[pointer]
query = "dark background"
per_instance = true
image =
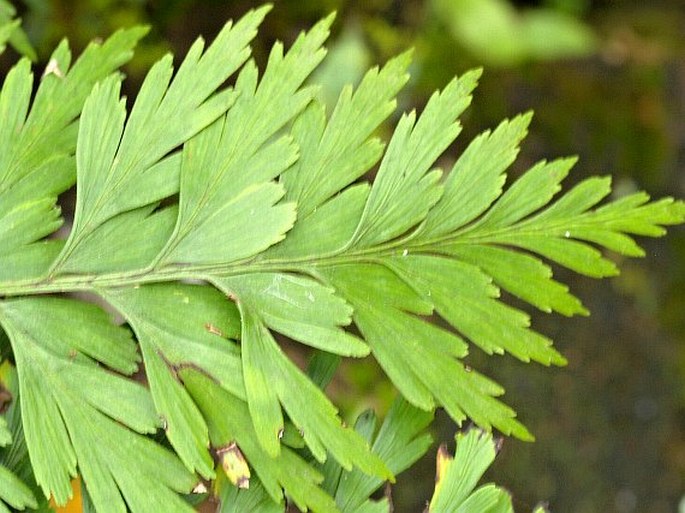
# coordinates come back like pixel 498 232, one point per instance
pixel 606 80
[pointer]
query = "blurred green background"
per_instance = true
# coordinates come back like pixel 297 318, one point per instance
pixel 606 79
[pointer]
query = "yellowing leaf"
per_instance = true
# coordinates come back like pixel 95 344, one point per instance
pixel 234 465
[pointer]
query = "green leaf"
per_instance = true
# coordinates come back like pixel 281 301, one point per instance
pixel 69 407
pixel 489 499
pixel 322 367
pixel 404 191
pixel 126 242
pixel 14 492
pixel 213 219
pixel 530 192
pixel 14 457
pixel 465 297
pixel 229 421
pixel 300 308
pixel 88 506
pixel 457 477
pixel 496 33
pixel 269 379
pixel 72 328
pixel 347 62
pixel 338 151
pixel 570 36
pixel 214 183
pixel 113 158
pixel 6 30
pixel 39 137
pixel 524 276
pixel 259 358
pixel 258 224
pixel 28 263
pixel 5 434
pixel 254 499
pixel 401 440
pixel 477 177
pixel 327 230
pixel 420 368
pixel 183 325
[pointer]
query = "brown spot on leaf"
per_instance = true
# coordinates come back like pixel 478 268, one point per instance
pixel 213 329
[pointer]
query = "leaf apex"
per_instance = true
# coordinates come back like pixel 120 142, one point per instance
pixel 473 74
pixel 329 19
pixel 139 31
pixel 406 56
pixel 526 117
pixel 263 10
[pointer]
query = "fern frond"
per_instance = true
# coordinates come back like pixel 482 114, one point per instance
pixel 121 168
pixel 70 404
pixel 37 141
pixel 274 232
pixel 180 325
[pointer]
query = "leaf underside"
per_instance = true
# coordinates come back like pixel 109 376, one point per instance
pixel 217 219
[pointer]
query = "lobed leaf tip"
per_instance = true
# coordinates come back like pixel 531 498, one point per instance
pixel 558 360
pixel 405 57
pixel 525 117
pixel 328 20
pixel 473 74
pixel 62 46
pixel 571 160
pixel 262 10
pixel 523 434
pixel 137 31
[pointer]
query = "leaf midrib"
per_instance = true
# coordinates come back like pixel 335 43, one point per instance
pixel 177 272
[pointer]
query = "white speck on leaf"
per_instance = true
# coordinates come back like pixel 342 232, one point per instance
pixel 405 252
pixel 275 289
pixel 310 296
pixel 567 234
pixel 53 69
pixel 200 488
